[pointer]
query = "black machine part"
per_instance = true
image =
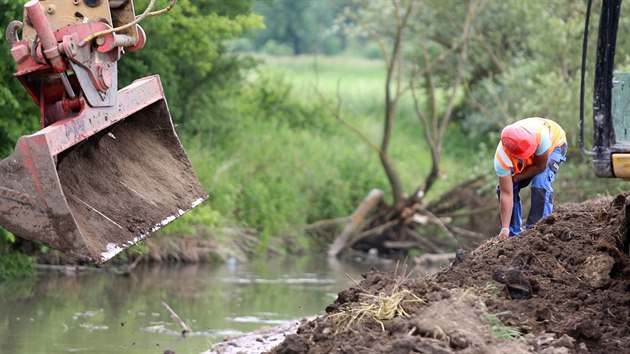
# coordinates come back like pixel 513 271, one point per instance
pixel 604 143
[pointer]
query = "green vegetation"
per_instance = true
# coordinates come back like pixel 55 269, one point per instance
pixel 260 129
pixel 15 265
pixel 501 331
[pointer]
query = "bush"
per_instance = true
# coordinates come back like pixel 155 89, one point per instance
pixel 15 265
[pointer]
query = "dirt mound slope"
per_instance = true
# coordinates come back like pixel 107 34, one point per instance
pixel 561 287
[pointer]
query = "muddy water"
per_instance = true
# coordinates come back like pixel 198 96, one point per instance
pixel 99 312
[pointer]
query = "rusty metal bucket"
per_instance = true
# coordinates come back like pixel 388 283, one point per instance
pixel 94 185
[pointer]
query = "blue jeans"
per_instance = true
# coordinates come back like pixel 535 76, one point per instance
pixel 541 193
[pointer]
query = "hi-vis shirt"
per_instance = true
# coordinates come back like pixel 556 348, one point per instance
pixel 549 135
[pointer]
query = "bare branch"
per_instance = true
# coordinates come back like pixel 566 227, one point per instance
pixel 378 230
pixel 391 103
pixel 495 59
pixel 336 112
pixel 428 77
pixel 372 33
pixel 326 223
pixel 472 13
pixel 435 127
pixel 426 243
pixel 346 239
pixel 442 225
pixel 420 113
pixel 466 233
pixel 185 329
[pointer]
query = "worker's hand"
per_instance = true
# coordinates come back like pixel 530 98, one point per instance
pixel 504 234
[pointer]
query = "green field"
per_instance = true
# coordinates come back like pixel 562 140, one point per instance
pixel 359 83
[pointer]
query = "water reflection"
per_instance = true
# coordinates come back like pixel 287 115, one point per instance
pixel 100 312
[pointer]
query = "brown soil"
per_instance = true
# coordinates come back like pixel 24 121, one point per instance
pixel 564 284
pixel 126 182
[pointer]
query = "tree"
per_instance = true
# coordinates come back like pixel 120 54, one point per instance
pixel 428 68
pixel 299 25
pixel 20 115
pixel 187 48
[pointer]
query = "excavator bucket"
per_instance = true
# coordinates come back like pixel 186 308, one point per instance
pixel 97 183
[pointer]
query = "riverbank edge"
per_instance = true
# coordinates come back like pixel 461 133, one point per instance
pixel 258 341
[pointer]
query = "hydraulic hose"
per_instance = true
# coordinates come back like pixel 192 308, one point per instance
pixel 147 13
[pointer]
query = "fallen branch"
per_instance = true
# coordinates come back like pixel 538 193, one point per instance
pixel 464 232
pixel 425 243
pixel 342 241
pixel 127 271
pixel 378 230
pixel 402 245
pixel 429 259
pixel 476 211
pixel 440 222
pixel 66 269
pixel 326 223
pixel 175 317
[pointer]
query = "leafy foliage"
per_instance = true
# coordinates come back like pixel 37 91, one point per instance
pixel 283 165
pixel 187 48
pixel 15 265
pixel 19 114
pixel 297 27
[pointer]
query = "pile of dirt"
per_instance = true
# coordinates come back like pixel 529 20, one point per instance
pixel 561 287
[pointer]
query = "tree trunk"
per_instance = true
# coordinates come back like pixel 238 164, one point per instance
pixel 343 240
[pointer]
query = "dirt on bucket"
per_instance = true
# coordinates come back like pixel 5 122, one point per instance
pixel 125 183
pixel 560 287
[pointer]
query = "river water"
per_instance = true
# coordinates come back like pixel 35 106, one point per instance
pixel 101 312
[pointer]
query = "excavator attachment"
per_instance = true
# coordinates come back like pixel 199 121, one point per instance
pixel 94 185
pixel 107 168
pixel 611 107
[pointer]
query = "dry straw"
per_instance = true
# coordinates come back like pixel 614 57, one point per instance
pixel 381 307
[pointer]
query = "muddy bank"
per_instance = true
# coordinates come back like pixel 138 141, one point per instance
pixel 203 245
pixel 259 341
pixel 561 287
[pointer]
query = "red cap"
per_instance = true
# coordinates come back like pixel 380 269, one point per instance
pixel 518 141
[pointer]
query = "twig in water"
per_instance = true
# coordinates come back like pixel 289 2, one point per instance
pixel 175 317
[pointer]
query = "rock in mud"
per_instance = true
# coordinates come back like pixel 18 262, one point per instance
pixel 566 235
pixel 596 271
pixel 517 285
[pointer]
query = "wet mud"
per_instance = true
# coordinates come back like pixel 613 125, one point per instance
pixel 561 287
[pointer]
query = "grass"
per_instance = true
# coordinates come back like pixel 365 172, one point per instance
pixel 15 265
pixel 357 77
pixel 361 91
pixel 501 331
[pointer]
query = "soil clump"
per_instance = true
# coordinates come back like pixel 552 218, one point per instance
pixel 561 287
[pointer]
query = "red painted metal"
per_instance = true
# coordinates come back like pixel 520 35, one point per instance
pixel 34 203
pixel 78 111
pixel 68 132
pixel 46 35
pixel 142 40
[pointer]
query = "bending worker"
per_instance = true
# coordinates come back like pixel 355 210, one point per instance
pixel 530 151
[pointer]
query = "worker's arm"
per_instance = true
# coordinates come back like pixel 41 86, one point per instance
pixel 540 163
pixel 506 203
